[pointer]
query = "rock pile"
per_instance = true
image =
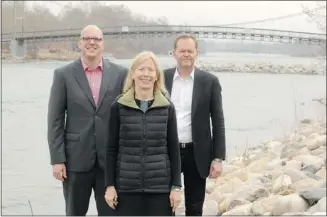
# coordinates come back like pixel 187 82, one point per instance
pixel 263 67
pixel 285 177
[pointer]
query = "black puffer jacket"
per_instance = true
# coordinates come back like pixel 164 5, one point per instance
pixel 143 151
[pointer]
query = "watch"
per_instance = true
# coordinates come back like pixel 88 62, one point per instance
pixel 218 160
pixel 176 188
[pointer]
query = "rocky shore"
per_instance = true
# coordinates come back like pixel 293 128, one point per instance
pixel 285 177
pixel 317 68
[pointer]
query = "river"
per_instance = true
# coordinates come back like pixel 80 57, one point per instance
pixel 257 107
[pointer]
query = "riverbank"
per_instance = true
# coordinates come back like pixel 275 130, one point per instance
pixel 316 68
pixel 269 66
pixel 44 56
pixel 286 177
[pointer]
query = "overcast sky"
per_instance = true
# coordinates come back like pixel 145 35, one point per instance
pixel 220 12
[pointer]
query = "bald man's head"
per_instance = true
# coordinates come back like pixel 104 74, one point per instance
pixel 91 28
pixel 91 42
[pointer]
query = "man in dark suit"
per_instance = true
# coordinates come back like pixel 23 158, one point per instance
pixel 78 114
pixel 196 95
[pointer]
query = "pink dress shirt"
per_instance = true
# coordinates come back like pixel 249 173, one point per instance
pixel 94 77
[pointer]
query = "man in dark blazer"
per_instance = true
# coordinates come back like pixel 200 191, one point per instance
pixel 196 95
pixel 78 114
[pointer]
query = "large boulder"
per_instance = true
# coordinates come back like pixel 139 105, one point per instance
pixel 264 205
pixel 210 207
pixel 258 166
pixel 295 175
pixel 251 192
pixel 292 164
pixel 244 209
pixel 321 173
pixel 274 173
pixel 310 169
pixel 299 151
pixel 247 194
pixel 241 174
pixel 229 168
pixel 281 184
pixel 303 184
pixel 210 186
pixel 289 203
pixel 313 195
pixel 230 186
pixel 316 142
pixel 317 152
pixel 319 207
pixel 308 159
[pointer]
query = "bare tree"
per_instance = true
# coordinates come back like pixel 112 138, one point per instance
pixel 39 17
pixel 318 15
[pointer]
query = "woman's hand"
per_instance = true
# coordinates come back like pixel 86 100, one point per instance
pixel 175 198
pixel 111 197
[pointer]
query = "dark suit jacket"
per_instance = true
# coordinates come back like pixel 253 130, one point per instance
pixel 206 103
pixel 77 128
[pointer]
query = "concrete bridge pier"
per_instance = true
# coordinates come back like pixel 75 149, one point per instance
pixel 18 48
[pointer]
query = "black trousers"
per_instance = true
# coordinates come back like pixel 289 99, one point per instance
pixel 77 192
pixel 194 184
pixel 143 204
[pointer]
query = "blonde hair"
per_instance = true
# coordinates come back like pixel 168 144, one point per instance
pixel 159 85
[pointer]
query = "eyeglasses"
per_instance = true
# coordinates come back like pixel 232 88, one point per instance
pixel 96 39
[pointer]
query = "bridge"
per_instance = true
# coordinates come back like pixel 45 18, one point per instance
pixel 18 39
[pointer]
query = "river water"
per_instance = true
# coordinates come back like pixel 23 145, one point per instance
pixel 257 107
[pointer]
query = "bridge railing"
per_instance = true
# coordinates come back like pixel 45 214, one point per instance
pixel 239 30
pixel 167 28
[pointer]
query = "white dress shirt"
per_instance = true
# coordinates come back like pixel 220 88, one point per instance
pixel 181 96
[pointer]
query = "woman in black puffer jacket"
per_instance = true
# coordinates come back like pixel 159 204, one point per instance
pixel 143 170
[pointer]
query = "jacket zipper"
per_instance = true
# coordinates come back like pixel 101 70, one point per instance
pixel 143 154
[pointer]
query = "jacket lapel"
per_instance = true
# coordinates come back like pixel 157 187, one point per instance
pixel 196 91
pixel 169 79
pixel 82 80
pixel 105 82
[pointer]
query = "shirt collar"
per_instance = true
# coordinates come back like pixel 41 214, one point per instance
pixel 85 66
pixel 176 75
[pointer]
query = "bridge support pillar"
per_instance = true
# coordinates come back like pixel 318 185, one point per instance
pixel 18 48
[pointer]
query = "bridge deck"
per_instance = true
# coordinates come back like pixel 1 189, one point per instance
pixel 215 31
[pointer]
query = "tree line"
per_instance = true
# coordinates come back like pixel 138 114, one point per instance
pixel 40 18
